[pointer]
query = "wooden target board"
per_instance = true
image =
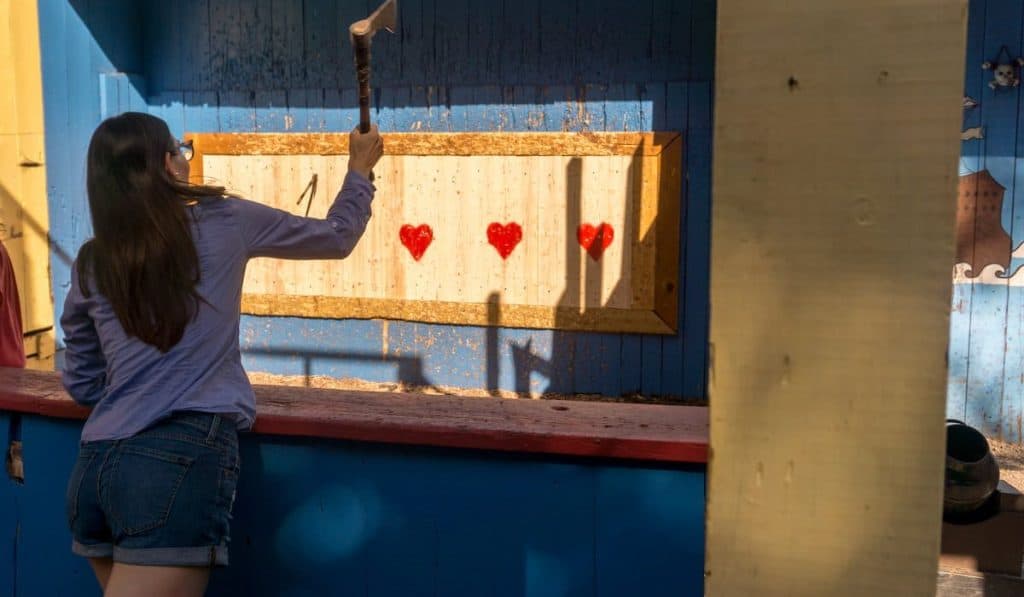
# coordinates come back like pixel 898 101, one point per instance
pixel 575 231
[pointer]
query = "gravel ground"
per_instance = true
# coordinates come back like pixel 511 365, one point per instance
pixel 1011 462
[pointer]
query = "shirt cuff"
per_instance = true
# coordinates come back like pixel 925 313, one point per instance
pixel 359 181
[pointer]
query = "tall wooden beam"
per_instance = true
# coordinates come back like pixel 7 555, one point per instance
pixel 835 169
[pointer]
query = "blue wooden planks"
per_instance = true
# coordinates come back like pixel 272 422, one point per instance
pixel 121 93
pixel 271 111
pixel 695 278
pixel 416 52
pixel 305 109
pixel 10 492
pixel 702 40
pixel 341 109
pixel 89 64
pixel 49 450
pixel 309 347
pixel 236 111
pixel 671 39
pixel 201 112
pixel 170 107
pixel 53 57
pixel 321 27
pixel 71 93
pixel 959 347
pixel 257 20
pixel 970 161
pixel 999 110
pixel 985 368
pixel 670 355
pixel 480 65
pixel 349 515
pixel 1012 404
pixel 405 115
pixel 116 47
pixel 558 53
pixel 519 59
pixel 1011 415
pixel 196 46
pixel 631 364
pixel 286 66
pixel 229 65
pixel 654 499
pixel 625 49
pixel 163 30
pixel 319 517
pixel 222 28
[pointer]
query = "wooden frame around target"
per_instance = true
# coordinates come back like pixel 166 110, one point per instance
pixel 572 231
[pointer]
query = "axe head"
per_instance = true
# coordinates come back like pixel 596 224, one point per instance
pixel 385 17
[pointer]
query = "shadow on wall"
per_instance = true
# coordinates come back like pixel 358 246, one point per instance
pixel 8 205
pixel 240 66
pixel 584 275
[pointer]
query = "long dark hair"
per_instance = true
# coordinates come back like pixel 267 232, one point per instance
pixel 142 257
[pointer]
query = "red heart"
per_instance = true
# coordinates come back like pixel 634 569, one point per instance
pixel 504 238
pixel 416 239
pixel 595 239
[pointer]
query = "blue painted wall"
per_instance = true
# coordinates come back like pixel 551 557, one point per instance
pixel 81 82
pixel 986 350
pixel 455 65
pixel 338 518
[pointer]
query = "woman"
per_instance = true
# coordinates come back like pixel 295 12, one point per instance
pixel 151 330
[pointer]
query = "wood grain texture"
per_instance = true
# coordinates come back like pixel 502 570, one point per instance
pixel 829 292
pixel 551 185
pixel 602 430
pixel 433 144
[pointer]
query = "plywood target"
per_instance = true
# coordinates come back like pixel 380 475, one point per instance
pixel 541 230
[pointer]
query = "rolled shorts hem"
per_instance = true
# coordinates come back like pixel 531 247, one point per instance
pixel 204 556
pixel 98 550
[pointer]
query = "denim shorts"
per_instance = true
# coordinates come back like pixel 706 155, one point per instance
pixel 162 497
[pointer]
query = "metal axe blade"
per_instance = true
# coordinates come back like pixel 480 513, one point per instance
pixel 385 17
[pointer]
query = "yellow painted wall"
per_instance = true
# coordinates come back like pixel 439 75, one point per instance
pixel 23 202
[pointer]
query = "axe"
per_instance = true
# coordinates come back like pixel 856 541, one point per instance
pixel 361 34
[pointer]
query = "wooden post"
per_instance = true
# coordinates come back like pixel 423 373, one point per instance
pixel 23 200
pixel 835 175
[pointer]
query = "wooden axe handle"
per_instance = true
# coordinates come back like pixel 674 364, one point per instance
pixel 361 45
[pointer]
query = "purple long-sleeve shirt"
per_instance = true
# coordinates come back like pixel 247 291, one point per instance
pixel 130 384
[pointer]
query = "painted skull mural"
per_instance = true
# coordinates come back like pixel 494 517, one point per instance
pixel 1005 70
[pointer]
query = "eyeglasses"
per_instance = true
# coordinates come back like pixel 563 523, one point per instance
pixel 185 149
